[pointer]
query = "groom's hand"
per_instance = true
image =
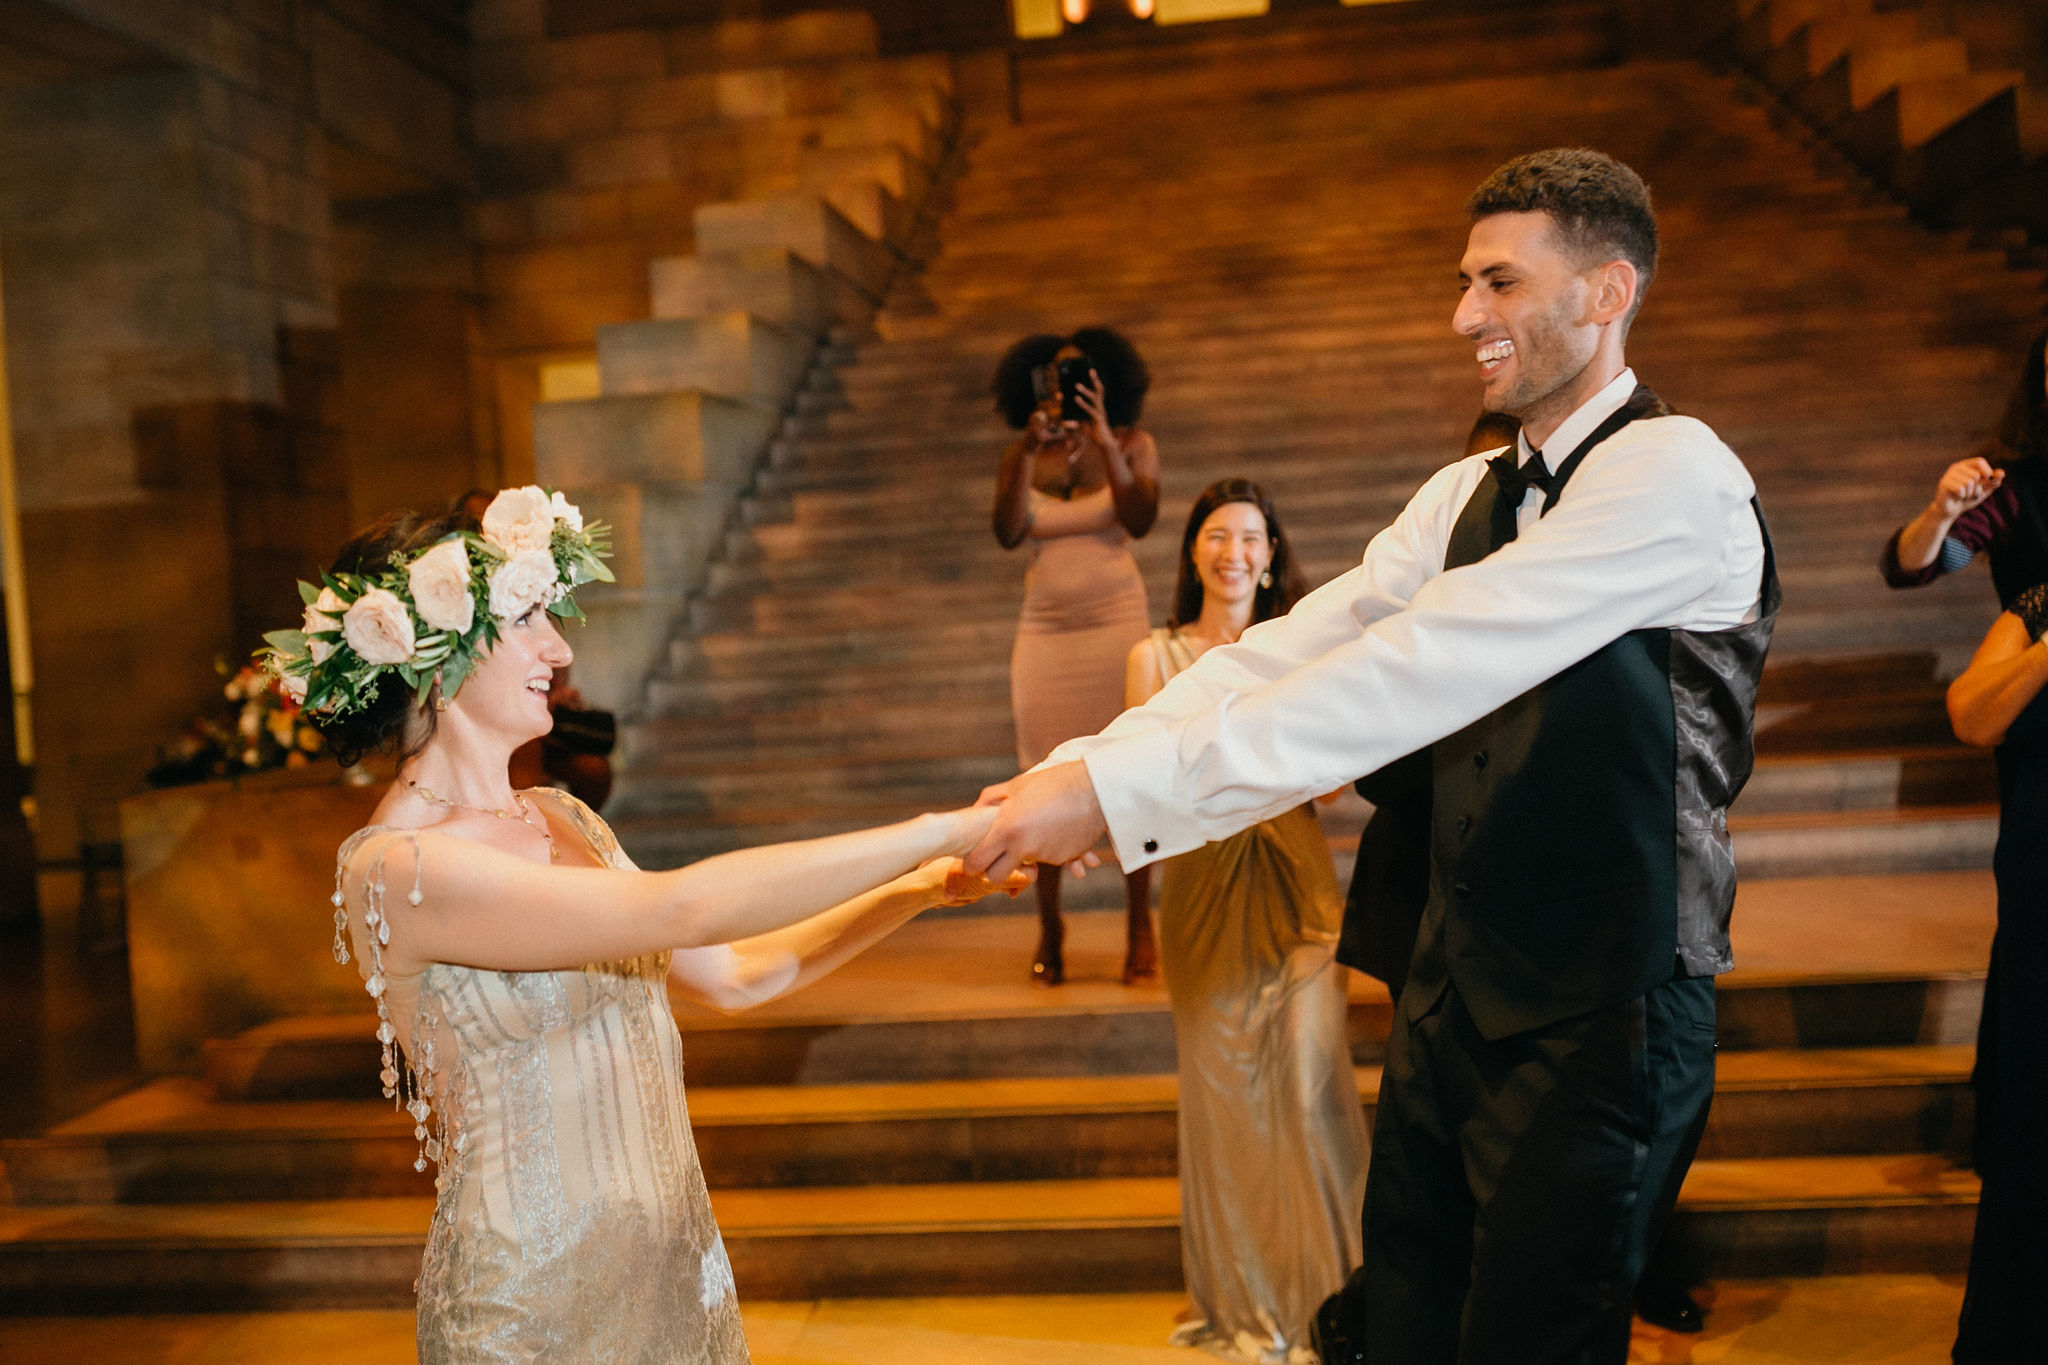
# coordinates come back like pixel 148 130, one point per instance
pixel 1047 816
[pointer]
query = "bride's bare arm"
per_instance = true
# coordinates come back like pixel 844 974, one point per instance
pixel 752 971
pixel 480 907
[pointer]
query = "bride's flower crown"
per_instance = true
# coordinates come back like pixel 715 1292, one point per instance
pixel 438 611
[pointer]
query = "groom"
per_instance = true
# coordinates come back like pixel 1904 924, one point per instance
pixel 1575 629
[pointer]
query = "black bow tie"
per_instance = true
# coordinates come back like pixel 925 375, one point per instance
pixel 1516 480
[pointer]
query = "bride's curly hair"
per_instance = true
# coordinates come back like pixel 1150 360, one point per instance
pixel 393 720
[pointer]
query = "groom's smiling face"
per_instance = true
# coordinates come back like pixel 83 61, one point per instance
pixel 1524 304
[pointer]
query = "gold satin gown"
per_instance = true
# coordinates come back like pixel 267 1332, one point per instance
pixel 1273 1144
pixel 572 1222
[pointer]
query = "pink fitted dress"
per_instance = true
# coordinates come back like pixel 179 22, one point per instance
pixel 1084 607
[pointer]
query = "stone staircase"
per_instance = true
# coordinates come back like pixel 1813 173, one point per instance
pixel 1895 84
pixel 1281 261
pixel 926 1123
pixel 674 219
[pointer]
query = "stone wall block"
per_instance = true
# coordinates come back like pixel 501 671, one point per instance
pixel 728 354
pixel 494 21
pixel 235 50
pixel 805 225
pixel 565 319
pixel 621 641
pixel 625 159
pixel 233 181
pixel 649 438
pixel 663 534
pixel 767 282
pixel 560 115
pixel 885 163
pixel 525 169
pixel 501 222
pixel 759 93
pixel 633 54
pixel 273 17
pixel 814 36
pixel 672 102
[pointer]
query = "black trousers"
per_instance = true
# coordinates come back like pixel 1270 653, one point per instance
pixel 1517 1184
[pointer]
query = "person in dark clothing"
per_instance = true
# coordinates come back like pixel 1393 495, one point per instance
pixel 1998 701
pixel 1995 503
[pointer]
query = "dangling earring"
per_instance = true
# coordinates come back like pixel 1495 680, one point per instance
pixel 441 702
pixel 1266 579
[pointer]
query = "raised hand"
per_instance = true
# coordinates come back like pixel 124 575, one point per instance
pixel 1964 485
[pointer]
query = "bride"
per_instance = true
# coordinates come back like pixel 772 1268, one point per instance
pixel 522 963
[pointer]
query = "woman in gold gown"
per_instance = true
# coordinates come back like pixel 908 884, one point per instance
pixel 1272 1136
pixel 523 964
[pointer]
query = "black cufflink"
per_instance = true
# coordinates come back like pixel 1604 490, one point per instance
pixel 1151 845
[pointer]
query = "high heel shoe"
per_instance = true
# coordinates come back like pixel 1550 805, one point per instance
pixel 1048 965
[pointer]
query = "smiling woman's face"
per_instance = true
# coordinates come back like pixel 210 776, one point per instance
pixel 507 693
pixel 1230 552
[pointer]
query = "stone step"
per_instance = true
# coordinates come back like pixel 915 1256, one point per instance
pixel 731 354
pixel 950 999
pixel 1788 1215
pixel 172 1142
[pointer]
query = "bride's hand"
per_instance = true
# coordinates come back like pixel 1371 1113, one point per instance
pixel 953 884
pixel 963 828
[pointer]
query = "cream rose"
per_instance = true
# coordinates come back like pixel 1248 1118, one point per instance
pixel 379 628
pixel 439 580
pixel 565 510
pixel 520 519
pixel 324 614
pixel 293 685
pixel 521 582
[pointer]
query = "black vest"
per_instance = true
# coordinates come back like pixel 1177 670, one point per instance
pixel 1579 834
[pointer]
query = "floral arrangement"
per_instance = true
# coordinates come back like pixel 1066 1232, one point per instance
pixel 435 614
pixel 267 730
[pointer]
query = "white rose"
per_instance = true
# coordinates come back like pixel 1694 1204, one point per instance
pixel 565 510
pixel 520 583
pixel 324 614
pixel 379 628
pixel 520 519
pixel 440 587
pixel 293 685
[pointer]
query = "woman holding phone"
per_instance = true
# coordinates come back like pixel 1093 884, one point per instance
pixel 1076 487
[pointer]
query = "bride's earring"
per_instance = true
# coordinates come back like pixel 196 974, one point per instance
pixel 1266 579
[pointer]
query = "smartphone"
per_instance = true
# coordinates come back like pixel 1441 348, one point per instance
pixel 1073 373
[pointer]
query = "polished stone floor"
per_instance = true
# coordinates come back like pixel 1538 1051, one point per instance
pixel 1849 1320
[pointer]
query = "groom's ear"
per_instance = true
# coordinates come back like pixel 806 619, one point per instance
pixel 1615 285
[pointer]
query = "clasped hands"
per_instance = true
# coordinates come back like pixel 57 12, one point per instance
pixel 1048 815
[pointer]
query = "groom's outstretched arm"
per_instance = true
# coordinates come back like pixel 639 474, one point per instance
pixel 1653 530
pixel 1052 813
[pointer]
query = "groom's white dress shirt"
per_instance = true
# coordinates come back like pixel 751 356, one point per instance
pixel 1654 530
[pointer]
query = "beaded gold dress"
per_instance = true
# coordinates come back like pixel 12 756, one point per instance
pixel 571 1220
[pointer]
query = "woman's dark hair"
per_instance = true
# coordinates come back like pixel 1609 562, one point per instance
pixel 392 719
pixel 1124 376
pixel 2024 430
pixel 1276 599
pixel 1492 431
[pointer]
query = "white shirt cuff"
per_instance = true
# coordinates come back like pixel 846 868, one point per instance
pixel 1133 778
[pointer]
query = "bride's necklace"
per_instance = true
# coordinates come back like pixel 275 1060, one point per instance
pixel 524 817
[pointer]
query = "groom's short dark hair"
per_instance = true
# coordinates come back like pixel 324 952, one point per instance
pixel 1601 207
